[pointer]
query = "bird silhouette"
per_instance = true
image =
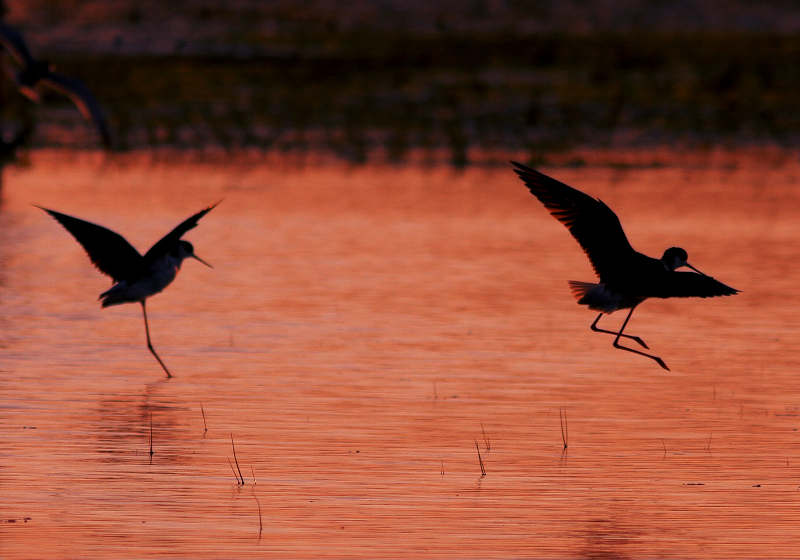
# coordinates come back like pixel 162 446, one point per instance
pixel 627 277
pixel 35 73
pixel 135 277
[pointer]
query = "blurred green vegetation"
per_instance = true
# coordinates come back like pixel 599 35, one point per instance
pixel 370 95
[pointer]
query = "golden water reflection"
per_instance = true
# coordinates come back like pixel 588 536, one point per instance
pixel 362 330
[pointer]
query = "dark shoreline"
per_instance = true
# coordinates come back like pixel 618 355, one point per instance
pixel 356 94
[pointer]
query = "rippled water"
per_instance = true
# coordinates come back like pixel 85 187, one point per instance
pixel 362 331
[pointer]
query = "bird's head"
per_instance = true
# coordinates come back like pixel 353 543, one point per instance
pixel 675 258
pixel 185 250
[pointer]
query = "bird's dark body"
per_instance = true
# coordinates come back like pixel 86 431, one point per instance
pixel 136 276
pixel 626 277
pixel 645 277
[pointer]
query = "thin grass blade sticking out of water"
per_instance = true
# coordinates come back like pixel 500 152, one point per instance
pixel 480 459
pixel 562 417
pixel 151 437
pixel 240 478
pixel 485 438
pixel 260 522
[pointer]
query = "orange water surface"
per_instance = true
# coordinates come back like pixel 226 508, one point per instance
pixel 363 330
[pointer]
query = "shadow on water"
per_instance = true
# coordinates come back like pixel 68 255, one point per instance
pixel 605 539
pixel 126 426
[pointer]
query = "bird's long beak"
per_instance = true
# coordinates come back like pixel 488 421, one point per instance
pixel 697 271
pixel 201 260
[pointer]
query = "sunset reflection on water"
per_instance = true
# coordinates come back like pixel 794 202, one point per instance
pixel 362 329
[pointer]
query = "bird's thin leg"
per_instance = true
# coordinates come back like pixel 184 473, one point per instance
pixel 595 328
pixel 658 360
pixel 149 345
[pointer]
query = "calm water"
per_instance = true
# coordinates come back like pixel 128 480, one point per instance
pixel 362 329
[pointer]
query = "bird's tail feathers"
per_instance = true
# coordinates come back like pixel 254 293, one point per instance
pixel 598 297
pixel 580 289
pixel 117 294
pixel 110 299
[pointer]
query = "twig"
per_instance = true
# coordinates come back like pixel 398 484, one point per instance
pixel 205 426
pixel 708 446
pixel 787 464
pixel 236 460
pixel 480 460
pixel 254 474
pixel 151 435
pixel 564 429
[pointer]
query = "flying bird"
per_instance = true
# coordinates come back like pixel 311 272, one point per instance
pixel 627 277
pixel 135 277
pixel 35 73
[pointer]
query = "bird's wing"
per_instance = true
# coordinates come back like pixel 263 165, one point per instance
pixel 688 284
pixel 166 243
pixel 83 99
pixel 593 224
pixel 109 251
pixel 12 40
